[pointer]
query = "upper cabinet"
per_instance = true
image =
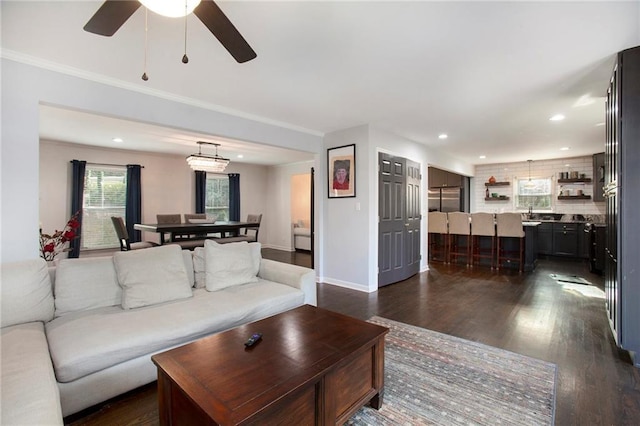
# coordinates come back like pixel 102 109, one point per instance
pixel 443 179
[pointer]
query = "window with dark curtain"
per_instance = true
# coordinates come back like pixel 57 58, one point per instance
pixel 77 194
pixel 234 196
pixel 201 191
pixel 133 211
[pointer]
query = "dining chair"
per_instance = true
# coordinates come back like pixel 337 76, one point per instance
pixel 459 236
pixel 509 225
pixel 250 234
pixel 170 219
pixel 123 236
pixel 437 236
pixel 483 226
pixel 197 217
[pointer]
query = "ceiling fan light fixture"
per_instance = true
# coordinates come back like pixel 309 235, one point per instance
pixel 171 8
pixel 205 162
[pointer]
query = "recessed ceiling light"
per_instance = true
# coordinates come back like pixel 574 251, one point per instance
pixel 564 148
pixel 557 117
pixel 240 156
pixel 567 165
pixel 442 136
pixel 482 157
pixel 117 140
pixel 600 124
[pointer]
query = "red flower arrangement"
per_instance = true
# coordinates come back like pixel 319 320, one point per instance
pixel 51 245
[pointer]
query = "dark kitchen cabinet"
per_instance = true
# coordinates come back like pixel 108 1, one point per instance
pixel 584 242
pixel 622 198
pixel 545 238
pixel 565 239
pixel 443 179
pixel 562 239
pixel 598 177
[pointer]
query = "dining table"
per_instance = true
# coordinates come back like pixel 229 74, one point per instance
pixel 197 229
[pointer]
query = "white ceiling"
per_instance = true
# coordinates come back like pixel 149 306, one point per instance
pixel 489 74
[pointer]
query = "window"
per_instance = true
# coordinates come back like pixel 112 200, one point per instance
pixel 534 194
pixel 104 196
pixel 217 196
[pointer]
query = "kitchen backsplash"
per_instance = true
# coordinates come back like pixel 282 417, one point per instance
pixel 508 172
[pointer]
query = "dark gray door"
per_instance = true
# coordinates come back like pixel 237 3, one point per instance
pixel 399 219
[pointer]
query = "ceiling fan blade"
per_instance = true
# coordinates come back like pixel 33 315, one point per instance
pixel 110 17
pixel 221 27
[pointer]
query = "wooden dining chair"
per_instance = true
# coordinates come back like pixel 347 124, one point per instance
pixel 123 236
pixel 249 234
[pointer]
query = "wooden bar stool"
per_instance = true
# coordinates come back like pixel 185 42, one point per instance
pixel 437 230
pixel 509 225
pixel 482 225
pixel 459 228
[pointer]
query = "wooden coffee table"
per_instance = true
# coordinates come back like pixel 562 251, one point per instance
pixel 312 366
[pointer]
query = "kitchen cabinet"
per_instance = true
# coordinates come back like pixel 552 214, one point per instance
pixel 565 239
pixel 598 177
pixel 545 238
pixel 584 242
pixel 443 179
pixel 562 239
pixel 622 174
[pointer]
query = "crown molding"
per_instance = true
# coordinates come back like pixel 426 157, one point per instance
pixel 109 81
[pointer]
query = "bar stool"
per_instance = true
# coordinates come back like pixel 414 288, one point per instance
pixel 459 226
pixel 509 225
pixel 437 230
pixel 482 225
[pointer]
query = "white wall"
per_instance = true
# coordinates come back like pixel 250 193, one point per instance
pixel 351 240
pixel 168 184
pixel 278 203
pixel 345 254
pixel 507 172
pixel 25 87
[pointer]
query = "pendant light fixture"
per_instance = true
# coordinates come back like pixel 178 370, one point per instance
pixel 205 162
pixel 529 183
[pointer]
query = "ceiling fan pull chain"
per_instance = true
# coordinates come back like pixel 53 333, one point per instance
pixel 185 58
pixel 146 41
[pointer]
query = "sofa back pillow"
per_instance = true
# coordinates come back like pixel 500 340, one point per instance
pixel 198 267
pixel 187 258
pixel 153 275
pixel 26 292
pixel 229 264
pixel 83 284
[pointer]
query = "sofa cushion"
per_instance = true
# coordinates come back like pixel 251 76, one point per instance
pixel 198 267
pixel 26 292
pixel 151 276
pixel 86 283
pixel 227 265
pixel 29 389
pixel 82 343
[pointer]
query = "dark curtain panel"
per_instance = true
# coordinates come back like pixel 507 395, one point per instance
pixel 234 196
pixel 133 209
pixel 77 191
pixel 201 191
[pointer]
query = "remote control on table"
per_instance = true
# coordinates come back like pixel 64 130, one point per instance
pixel 253 340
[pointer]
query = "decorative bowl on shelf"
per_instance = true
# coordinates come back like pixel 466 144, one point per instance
pixel 492 179
pixel 494 194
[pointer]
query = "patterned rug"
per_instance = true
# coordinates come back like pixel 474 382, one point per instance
pixel 436 379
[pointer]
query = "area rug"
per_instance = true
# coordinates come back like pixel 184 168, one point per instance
pixel 436 379
pixel 570 279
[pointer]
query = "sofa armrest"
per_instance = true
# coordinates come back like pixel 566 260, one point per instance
pixel 291 275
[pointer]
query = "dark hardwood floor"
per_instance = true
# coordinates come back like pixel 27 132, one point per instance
pixel 531 314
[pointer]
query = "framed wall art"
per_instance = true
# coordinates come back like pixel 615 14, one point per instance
pixel 341 171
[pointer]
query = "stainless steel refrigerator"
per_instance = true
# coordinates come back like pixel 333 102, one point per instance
pixel 445 200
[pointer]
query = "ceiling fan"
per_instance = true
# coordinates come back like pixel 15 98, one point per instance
pixel 114 13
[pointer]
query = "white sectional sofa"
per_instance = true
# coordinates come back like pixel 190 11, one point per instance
pixel 88 334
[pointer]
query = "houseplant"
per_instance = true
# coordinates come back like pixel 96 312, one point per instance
pixel 52 245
